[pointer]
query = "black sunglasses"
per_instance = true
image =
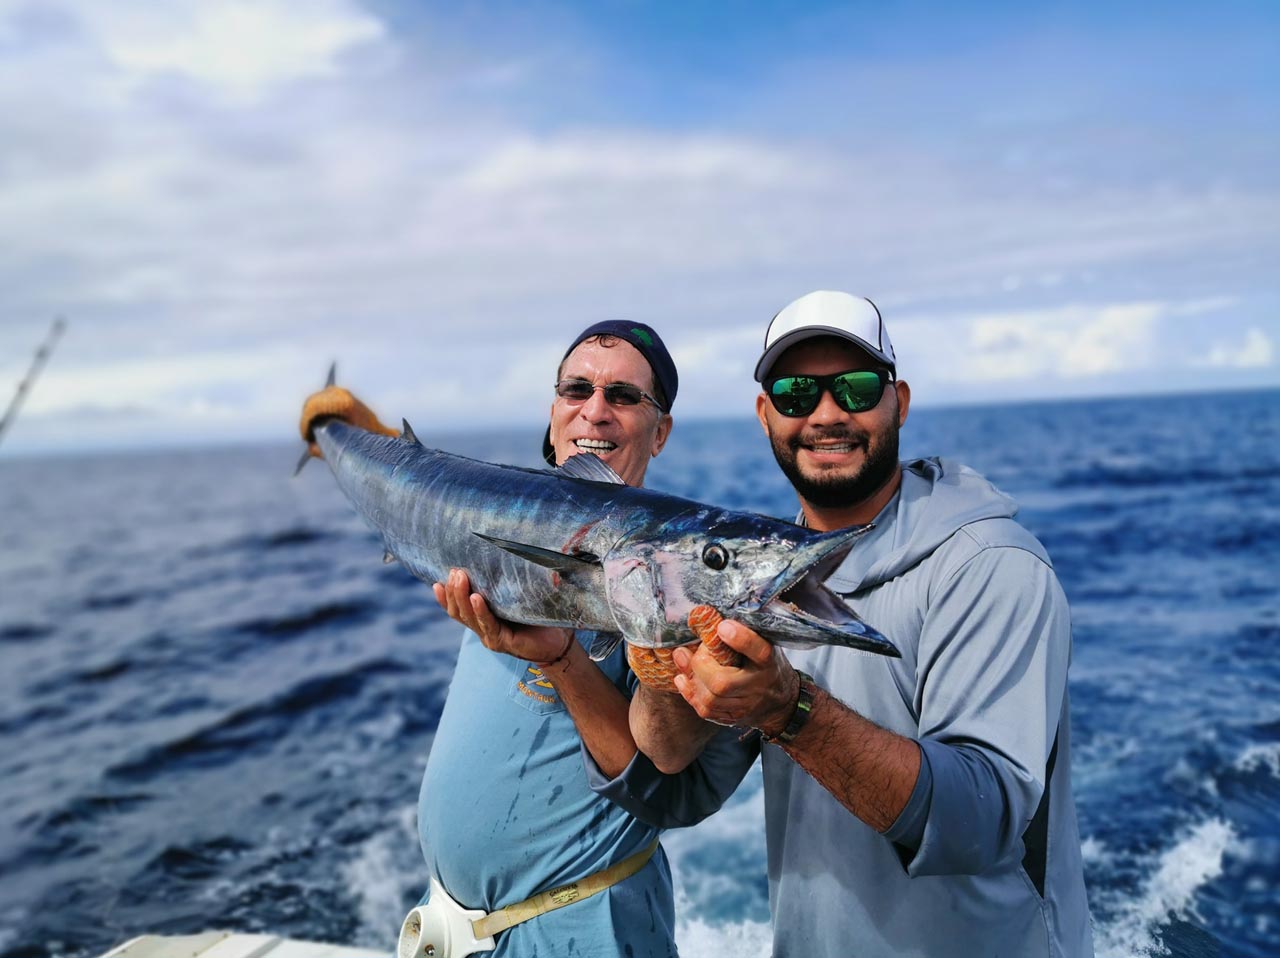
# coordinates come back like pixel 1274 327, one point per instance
pixel 854 391
pixel 615 394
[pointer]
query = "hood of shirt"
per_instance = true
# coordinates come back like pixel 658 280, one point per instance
pixel 938 497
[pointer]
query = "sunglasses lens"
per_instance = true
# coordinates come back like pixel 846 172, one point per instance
pixel 622 394
pixel 857 391
pixel 575 389
pixel 615 394
pixel 794 395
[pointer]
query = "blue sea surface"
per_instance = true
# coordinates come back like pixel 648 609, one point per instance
pixel 216 701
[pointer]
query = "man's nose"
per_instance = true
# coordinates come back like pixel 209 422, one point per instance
pixel 597 408
pixel 827 410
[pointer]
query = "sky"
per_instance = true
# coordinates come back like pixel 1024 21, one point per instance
pixel 222 197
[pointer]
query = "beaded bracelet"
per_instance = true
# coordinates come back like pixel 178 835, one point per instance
pixel 568 644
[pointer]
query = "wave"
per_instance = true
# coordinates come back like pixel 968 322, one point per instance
pixel 111 600
pixel 388 876
pixel 1257 757
pixel 25 632
pixel 287 538
pixel 246 731
pixel 322 615
pixel 745 939
pixel 198 861
pixel 1133 472
pixel 1167 898
pixel 88 808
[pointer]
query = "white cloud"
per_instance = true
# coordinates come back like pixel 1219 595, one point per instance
pixel 301 181
pixel 169 383
pixel 582 161
pixel 1209 304
pixel 1070 342
pixel 240 47
pixel 1256 351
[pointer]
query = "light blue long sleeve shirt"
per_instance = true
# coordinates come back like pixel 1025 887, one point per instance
pixel 985 858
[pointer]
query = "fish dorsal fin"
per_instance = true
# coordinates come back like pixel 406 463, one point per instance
pixel 587 465
pixel 602 645
pixel 406 432
pixel 333 374
pixel 548 558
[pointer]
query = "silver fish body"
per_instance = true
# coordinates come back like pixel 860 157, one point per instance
pixel 575 547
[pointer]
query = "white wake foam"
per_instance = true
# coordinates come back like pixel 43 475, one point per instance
pixel 748 939
pixel 1258 756
pixel 700 878
pixel 1170 892
pixel 383 875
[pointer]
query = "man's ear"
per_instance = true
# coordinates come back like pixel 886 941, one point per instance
pixel 904 400
pixel 665 423
pixel 762 406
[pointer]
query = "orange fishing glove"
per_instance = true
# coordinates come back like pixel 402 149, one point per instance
pixel 655 668
pixel 334 402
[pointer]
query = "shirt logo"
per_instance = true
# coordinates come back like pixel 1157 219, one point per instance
pixel 535 685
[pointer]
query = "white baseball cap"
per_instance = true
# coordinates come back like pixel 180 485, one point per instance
pixel 827 313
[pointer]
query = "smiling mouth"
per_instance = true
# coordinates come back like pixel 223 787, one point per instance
pixel 835 448
pixel 597 446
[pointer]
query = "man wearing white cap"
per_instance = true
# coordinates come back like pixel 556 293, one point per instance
pixel 914 806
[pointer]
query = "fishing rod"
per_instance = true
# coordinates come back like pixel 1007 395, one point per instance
pixel 41 357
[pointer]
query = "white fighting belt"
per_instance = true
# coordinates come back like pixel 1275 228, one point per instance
pixel 441 929
pixel 444 929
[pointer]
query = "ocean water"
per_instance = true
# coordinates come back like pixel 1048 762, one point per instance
pixel 217 701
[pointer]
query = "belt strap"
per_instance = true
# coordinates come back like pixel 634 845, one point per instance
pixel 554 898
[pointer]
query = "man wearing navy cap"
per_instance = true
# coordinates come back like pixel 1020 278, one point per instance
pixel 505 810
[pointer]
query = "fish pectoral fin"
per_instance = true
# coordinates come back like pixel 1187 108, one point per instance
pixel 548 558
pixel 589 466
pixel 602 645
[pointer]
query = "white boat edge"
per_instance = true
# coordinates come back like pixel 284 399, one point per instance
pixel 227 944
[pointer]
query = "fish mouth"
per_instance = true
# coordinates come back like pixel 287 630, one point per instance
pixel 798 611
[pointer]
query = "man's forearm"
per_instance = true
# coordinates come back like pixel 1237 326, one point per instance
pixel 598 709
pixel 667 730
pixel 870 770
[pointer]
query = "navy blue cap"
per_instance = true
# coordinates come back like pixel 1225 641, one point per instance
pixel 651 347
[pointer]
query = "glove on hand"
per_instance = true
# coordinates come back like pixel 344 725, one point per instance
pixel 655 668
pixel 334 402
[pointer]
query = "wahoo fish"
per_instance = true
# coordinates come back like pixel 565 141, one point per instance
pixel 576 547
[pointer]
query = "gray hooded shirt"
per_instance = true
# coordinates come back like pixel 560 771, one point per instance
pixel 985 858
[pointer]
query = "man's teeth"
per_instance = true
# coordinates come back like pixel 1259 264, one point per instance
pixel 835 447
pixel 595 445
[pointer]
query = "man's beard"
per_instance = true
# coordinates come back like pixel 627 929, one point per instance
pixel 831 491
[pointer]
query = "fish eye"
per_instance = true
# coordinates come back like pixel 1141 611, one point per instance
pixel 715 556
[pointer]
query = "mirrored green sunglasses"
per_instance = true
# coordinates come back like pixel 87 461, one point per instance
pixel 856 390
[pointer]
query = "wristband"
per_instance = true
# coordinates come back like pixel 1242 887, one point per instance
pixel 803 709
pixel 563 652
